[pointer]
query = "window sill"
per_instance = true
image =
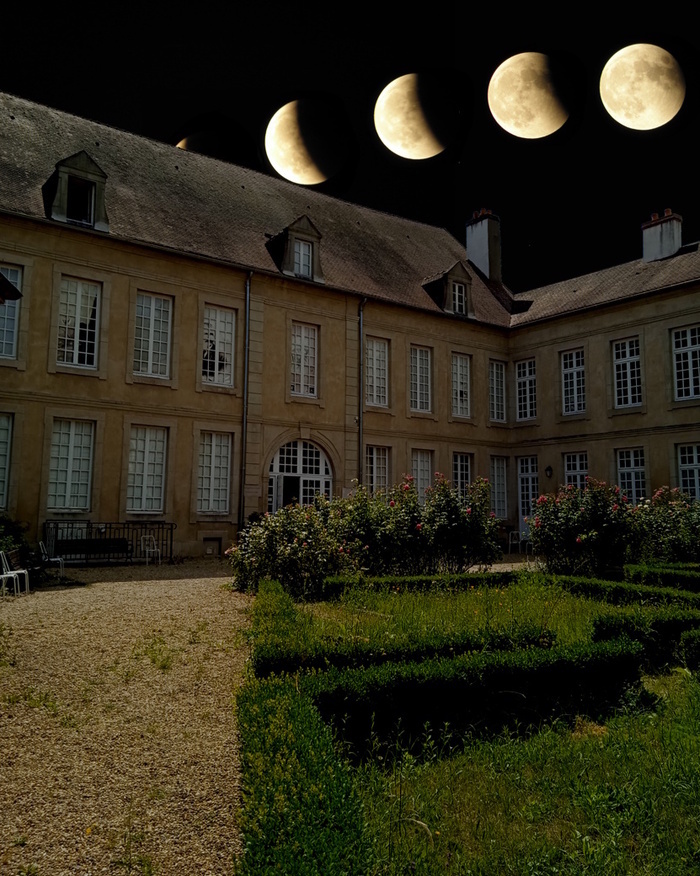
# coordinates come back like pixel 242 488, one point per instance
pixel 306 400
pixel 218 388
pixel 150 380
pixel 17 364
pixel 423 415
pixel 82 370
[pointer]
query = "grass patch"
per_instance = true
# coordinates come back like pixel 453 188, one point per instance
pixel 158 652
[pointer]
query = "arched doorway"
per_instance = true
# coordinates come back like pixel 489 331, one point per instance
pixel 298 471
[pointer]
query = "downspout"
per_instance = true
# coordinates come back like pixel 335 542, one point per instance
pixel 244 437
pixel 361 389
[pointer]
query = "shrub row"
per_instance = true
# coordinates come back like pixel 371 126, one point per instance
pixel 282 640
pixel 484 692
pixel 690 648
pixel 664 576
pixel 335 585
pixel 300 814
pixel 658 630
pixel 627 592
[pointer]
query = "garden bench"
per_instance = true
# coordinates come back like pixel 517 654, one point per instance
pixel 89 548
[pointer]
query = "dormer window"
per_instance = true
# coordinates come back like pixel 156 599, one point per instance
pixel 303 258
pixel 459 298
pixel 75 193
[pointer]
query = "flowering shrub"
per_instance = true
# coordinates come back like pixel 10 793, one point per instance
pixel 395 533
pixel 665 528
pixel 581 531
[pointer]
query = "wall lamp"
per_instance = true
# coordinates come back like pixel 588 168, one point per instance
pixel 549 471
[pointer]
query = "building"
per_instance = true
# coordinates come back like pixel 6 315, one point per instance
pixel 197 342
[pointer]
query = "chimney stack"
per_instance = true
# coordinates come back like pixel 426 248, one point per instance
pixel 661 236
pixel 484 243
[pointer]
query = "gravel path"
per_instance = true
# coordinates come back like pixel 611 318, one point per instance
pixel 117 735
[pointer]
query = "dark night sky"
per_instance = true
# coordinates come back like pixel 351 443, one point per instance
pixel 569 203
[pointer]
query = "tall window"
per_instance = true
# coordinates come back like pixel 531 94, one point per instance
pixel 686 360
pixel 420 379
pixel 422 468
pixel 5 443
pixel 460 385
pixel 576 469
pixel 628 373
pixel 70 466
pixel 78 323
pixel 152 337
pixel 689 469
pixel 526 384
pixel 304 359
pixel 573 381
pixel 528 488
pixel 497 474
pixel 459 298
pixel 218 345
pixel 214 473
pixel 631 475
pixel 303 258
pixel 376 371
pixel 461 472
pixel 377 469
pixel 9 315
pixel 145 488
pixel 497 391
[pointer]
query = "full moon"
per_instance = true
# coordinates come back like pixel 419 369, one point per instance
pixel 642 87
pixel 523 99
pixel 401 121
pixel 297 142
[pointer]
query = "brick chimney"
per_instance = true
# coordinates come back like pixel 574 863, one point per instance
pixel 484 243
pixel 661 236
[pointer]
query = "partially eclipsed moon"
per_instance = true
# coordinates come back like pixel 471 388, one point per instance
pixel 642 87
pixel 401 122
pixel 286 149
pixel 523 99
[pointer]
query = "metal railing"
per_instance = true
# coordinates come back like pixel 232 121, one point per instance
pixel 82 541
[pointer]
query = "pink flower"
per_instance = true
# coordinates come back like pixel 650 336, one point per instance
pixel 392 503
pixel 469 510
pixel 616 507
pixel 419 526
pixel 579 540
pixel 493 514
pixel 406 487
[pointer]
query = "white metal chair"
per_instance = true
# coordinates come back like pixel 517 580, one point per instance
pixel 6 575
pixel 46 559
pixel 513 540
pixel 12 566
pixel 149 548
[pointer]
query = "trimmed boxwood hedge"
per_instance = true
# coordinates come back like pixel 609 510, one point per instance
pixel 664 576
pixel 281 642
pixel 659 630
pixel 484 692
pixel 300 815
pixel 626 592
pixel 690 648
pixel 336 585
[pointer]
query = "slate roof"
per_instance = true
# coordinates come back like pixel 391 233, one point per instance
pixel 159 195
pixel 609 286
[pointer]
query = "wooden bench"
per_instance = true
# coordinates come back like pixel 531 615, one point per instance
pixel 89 548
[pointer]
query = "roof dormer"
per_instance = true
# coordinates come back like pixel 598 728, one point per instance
pixel 75 193
pixel 297 250
pixel 452 291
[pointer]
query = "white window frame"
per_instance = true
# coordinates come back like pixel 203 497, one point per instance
pixel 376 469
pixel 79 313
pixel 627 364
pixel 459 298
pixel 218 346
pixel 461 385
pixel 153 319
pixel 422 471
pixel 576 469
pixel 303 258
pixel 70 465
pixel 304 360
pixel 526 389
pixel 528 489
pixel 573 382
pixel 631 473
pixel 6 423
pixel 461 472
pixel 689 470
pixel 305 462
pixel 421 379
pixel 9 314
pixel 214 473
pixel 686 363
pixel 498 468
pixel 148 458
pixel 377 372
pixel 497 391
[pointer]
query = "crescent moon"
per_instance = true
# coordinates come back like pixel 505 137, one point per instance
pixel 401 123
pixel 523 99
pixel 642 86
pixel 286 149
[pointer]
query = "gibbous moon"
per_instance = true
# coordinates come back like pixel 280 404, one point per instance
pixel 523 99
pixel 287 150
pixel 642 87
pixel 401 121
